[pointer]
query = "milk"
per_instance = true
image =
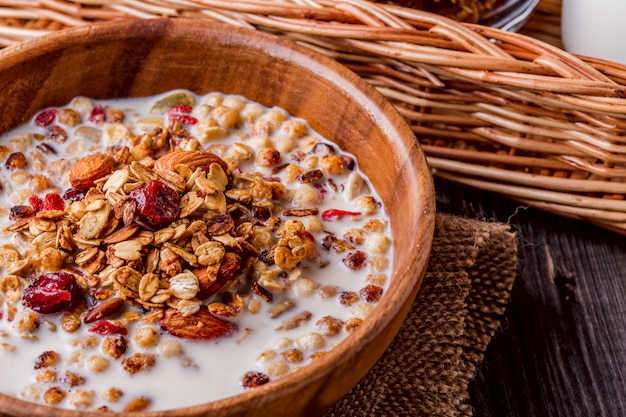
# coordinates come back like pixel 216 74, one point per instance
pixel 595 28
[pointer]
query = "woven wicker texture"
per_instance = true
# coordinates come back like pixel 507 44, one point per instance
pixel 495 110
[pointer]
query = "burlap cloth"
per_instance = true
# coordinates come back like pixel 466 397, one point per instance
pixel 428 366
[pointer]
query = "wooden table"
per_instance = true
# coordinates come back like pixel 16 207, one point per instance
pixel 561 350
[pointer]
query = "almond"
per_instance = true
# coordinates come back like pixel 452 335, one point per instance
pixel 192 159
pixel 212 279
pixel 165 166
pixel 200 326
pixel 90 168
pixel 122 234
pixel 104 309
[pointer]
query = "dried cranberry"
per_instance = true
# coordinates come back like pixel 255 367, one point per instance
pixel 45 118
pixel 157 202
pixel 36 203
pixel 53 201
pixel 74 194
pixel 331 214
pixel 180 109
pixel 184 119
pixel 97 115
pixel 181 113
pixel 51 293
pixel 105 328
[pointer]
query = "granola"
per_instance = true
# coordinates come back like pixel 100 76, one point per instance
pixel 202 240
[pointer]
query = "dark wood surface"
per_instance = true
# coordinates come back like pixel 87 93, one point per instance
pixel 561 349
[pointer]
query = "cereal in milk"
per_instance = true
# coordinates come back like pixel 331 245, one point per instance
pixel 168 251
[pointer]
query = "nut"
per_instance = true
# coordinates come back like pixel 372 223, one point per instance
pixel 104 309
pixel 200 326
pixel 89 169
pixel 165 166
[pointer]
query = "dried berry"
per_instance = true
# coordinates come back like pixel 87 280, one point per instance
pixel 184 119
pixel 181 113
pixel 157 202
pixel 53 201
pixel 45 118
pixel 97 115
pixel 254 379
pixel 51 293
pixel 180 109
pixel 74 194
pixel 105 328
pixel 331 214
pixel 36 203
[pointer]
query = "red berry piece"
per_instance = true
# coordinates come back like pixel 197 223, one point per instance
pixel 157 202
pixel 36 203
pixel 105 328
pixel 180 109
pixel 74 194
pixel 97 115
pixel 45 118
pixel 184 119
pixel 53 201
pixel 330 214
pixel 181 113
pixel 51 293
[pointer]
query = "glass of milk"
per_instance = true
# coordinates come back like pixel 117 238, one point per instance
pixel 595 28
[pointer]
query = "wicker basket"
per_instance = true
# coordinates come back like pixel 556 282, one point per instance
pixel 495 110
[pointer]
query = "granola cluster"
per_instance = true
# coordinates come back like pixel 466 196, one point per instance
pixel 138 235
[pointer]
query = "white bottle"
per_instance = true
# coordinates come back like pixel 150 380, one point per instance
pixel 595 28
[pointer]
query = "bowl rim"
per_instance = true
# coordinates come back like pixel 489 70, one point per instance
pixel 351 83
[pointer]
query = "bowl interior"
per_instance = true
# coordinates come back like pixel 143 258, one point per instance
pixel 136 58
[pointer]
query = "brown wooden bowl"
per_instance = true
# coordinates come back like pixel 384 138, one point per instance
pixel 133 58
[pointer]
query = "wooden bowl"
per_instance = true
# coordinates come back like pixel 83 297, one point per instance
pixel 131 58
